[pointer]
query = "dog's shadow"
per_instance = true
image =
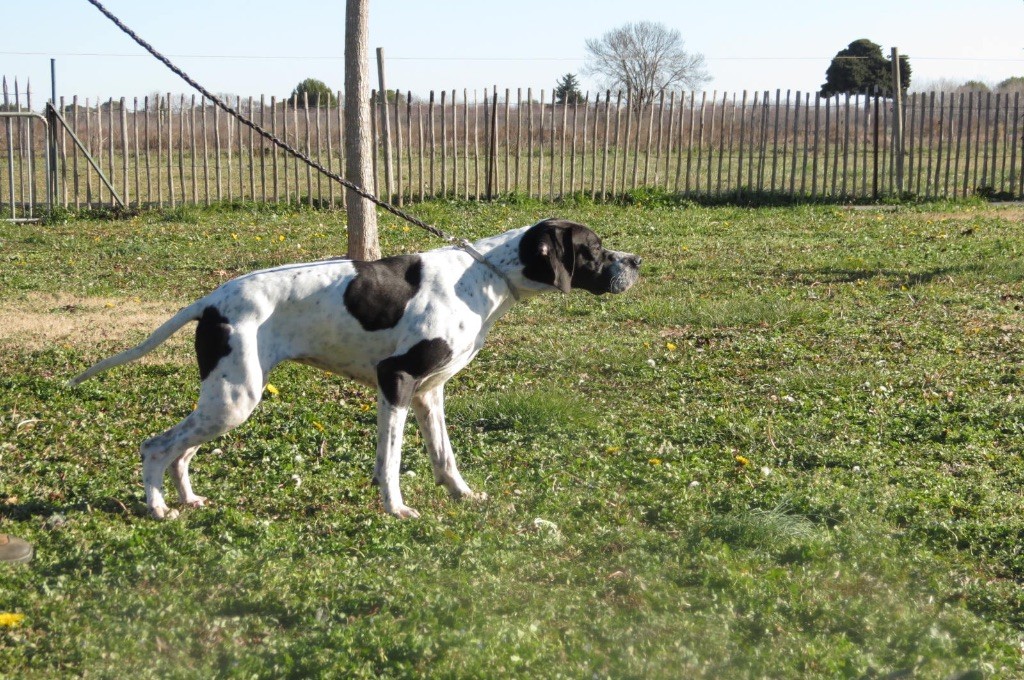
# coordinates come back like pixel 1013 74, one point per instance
pixel 55 514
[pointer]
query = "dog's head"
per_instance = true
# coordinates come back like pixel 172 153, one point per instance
pixel 568 255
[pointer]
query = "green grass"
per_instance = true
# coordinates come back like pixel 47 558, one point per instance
pixel 793 450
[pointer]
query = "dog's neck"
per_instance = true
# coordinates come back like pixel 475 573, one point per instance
pixel 482 259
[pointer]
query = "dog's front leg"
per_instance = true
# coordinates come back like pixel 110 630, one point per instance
pixel 390 427
pixel 429 409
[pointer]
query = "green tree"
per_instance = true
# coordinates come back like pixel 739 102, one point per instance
pixel 974 86
pixel 318 92
pixel 861 67
pixel 1014 84
pixel 568 90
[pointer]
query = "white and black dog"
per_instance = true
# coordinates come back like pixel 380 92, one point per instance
pixel 403 324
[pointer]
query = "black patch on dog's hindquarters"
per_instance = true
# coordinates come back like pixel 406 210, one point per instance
pixel 378 294
pixel 212 335
pixel 395 373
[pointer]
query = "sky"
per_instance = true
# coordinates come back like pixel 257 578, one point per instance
pixel 254 47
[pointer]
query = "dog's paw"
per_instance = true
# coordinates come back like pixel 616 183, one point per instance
pixel 194 502
pixel 403 512
pixel 474 497
pixel 163 512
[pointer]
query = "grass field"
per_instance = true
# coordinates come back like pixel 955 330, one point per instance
pixel 793 450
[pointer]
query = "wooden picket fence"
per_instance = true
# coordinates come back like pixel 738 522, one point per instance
pixel 167 151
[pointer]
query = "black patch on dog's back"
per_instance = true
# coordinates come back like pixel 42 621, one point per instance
pixel 380 291
pixel 212 335
pixel 394 373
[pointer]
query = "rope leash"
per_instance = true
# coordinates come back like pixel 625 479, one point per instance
pixel 355 188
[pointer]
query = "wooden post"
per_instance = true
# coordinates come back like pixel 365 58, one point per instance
pixel 455 143
pixel 519 133
pixel 408 127
pixel 967 152
pixel 875 186
pixel 616 146
pixel 363 243
pixel 679 139
pixel 138 160
pixel 159 149
pixel 398 147
pixel 476 142
pixel 561 145
pixel 145 134
pixel 262 151
pixel 273 149
pixel 465 143
pixel 492 177
pixel 192 149
pixel 170 152
pixel 938 160
pixel 124 152
pixel 669 136
pixel 551 148
pixel 572 141
pixel 1014 142
pixel 959 141
pixel 529 142
pixel 385 124
pixel 743 132
pixel 897 127
pixel 422 151
pixel 206 156
pixel 507 148
pixel 375 188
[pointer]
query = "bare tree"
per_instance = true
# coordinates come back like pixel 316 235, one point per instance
pixel 644 58
pixel 362 214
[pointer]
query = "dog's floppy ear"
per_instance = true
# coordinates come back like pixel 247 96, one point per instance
pixel 548 256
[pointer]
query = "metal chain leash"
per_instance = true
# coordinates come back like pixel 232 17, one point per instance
pixel 355 188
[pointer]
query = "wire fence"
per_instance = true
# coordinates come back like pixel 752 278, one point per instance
pixel 165 151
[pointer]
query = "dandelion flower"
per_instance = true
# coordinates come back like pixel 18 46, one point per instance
pixel 671 346
pixel 273 390
pixel 742 460
pixel 9 620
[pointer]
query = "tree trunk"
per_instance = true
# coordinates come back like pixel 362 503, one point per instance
pixel 362 214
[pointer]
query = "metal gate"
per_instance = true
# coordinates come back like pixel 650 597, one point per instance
pixel 26 183
pixel 26 138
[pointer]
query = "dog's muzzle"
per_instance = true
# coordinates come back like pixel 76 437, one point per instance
pixel 624 271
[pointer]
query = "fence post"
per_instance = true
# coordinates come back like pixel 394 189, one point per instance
pixel 52 134
pixel 897 124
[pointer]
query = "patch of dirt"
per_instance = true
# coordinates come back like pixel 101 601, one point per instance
pixel 94 325
pixel 1013 213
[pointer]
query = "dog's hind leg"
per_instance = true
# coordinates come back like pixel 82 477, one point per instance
pixel 226 399
pixel 429 410
pixel 179 475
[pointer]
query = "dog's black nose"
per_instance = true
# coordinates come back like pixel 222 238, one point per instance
pixel 634 260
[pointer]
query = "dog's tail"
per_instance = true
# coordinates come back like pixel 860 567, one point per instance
pixel 191 313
